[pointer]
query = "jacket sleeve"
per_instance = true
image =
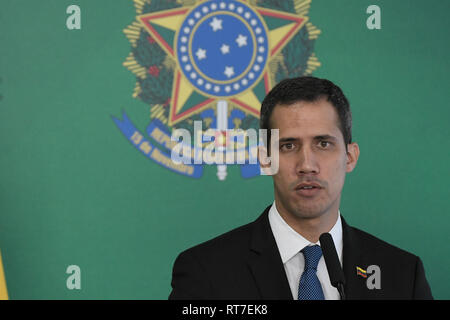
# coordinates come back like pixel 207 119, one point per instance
pixel 189 278
pixel 422 290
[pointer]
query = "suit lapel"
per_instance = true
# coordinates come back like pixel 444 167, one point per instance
pixel 265 262
pixel 353 256
pixel 266 266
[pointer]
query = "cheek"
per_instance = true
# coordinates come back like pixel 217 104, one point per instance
pixel 284 177
pixel 336 174
pixel 286 170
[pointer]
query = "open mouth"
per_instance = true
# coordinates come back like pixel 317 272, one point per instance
pixel 308 190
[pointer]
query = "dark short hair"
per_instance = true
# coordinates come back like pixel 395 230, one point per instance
pixel 310 89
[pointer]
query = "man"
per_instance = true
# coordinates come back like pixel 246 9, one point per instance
pixel 278 256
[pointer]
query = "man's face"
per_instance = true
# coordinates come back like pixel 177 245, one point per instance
pixel 311 152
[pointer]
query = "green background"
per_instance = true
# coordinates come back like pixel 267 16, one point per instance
pixel 73 190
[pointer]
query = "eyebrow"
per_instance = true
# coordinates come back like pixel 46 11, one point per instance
pixel 317 138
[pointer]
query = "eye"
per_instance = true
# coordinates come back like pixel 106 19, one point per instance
pixel 324 144
pixel 287 146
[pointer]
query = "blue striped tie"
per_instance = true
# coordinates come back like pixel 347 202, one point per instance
pixel 309 287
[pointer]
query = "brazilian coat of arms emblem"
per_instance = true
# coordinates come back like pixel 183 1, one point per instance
pixel 212 62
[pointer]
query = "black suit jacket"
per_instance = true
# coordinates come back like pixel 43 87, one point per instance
pixel 245 264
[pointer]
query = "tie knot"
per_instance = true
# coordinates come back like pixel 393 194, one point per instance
pixel 312 256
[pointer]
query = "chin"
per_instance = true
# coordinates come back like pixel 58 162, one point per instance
pixel 308 211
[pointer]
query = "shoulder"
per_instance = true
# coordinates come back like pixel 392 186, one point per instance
pixel 401 274
pixel 236 241
pixel 233 241
pixel 217 267
pixel 233 245
pixel 376 247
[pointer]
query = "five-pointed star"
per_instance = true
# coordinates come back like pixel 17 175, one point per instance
pixel 201 54
pixel 229 71
pixel 216 24
pixel 225 49
pixel 241 40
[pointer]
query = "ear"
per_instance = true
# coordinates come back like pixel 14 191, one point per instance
pixel 352 156
pixel 264 160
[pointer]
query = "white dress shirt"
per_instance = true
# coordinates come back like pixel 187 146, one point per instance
pixel 290 243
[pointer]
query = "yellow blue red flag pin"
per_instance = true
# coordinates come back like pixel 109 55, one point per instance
pixel 361 272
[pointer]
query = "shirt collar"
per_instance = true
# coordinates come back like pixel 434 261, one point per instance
pixel 290 242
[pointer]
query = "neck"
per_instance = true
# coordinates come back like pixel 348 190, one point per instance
pixel 310 228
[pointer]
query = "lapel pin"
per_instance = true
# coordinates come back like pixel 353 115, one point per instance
pixel 361 272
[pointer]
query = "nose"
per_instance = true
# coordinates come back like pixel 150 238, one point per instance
pixel 306 163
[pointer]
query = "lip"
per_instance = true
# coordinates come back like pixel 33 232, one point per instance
pixel 308 192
